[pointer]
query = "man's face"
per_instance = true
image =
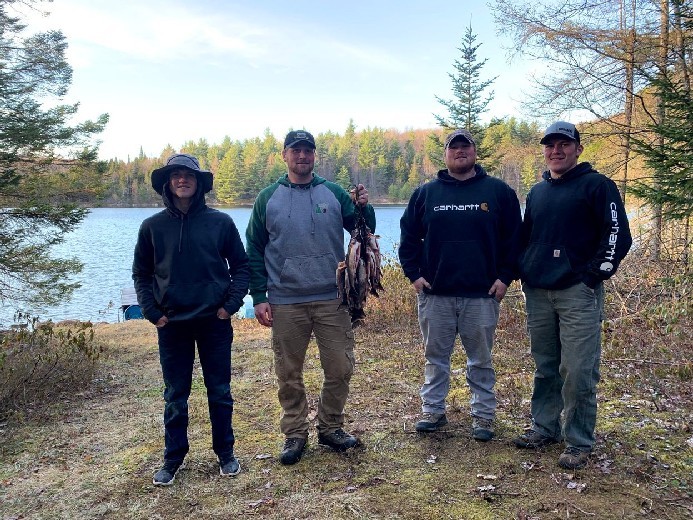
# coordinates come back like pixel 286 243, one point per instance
pixel 300 160
pixel 561 155
pixel 460 156
pixel 183 183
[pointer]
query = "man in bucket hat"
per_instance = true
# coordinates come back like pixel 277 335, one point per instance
pixel 191 274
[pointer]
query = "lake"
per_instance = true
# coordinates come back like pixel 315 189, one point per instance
pixel 104 243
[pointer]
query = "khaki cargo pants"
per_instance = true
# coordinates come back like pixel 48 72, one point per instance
pixel 291 332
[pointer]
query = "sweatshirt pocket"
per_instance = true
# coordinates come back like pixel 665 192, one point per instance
pixel 309 274
pixel 461 267
pixel 545 265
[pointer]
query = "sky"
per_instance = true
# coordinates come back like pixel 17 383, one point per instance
pixel 171 71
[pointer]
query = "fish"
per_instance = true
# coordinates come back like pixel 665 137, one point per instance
pixel 360 273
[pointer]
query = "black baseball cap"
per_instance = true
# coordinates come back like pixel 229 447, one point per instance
pixel 299 137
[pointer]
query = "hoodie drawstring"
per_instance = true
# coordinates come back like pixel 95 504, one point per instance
pixel 312 210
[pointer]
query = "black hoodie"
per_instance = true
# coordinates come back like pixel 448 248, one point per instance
pixel 188 265
pixel 575 230
pixel 461 236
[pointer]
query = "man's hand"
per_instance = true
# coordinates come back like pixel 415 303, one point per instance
pixel 263 314
pixel 498 290
pixel 223 314
pixel 162 322
pixel 359 194
pixel 419 284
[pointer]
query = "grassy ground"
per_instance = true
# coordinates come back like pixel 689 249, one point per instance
pixel 91 453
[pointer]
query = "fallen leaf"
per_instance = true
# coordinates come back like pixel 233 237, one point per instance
pixel 262 456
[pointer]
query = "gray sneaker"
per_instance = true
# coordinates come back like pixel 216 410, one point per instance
pixel 482 429
pixel 430 422
pixel 167 474
pixel 229 467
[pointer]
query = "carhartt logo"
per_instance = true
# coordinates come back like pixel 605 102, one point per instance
pixel 301 135
pixel 607 267
pixel 556 253
pixel 321 208
pixel 462 207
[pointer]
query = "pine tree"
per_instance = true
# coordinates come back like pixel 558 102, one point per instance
pixel 464 110
pixel 36 211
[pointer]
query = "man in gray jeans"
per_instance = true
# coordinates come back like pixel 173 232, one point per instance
pixel 575 234
pixel 459 246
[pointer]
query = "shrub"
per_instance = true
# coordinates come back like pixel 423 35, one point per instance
pixel 395 308
pixel 39 360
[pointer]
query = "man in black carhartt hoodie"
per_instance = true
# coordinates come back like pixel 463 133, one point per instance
pixel 191 274
pixel 459 247
pixel 575 234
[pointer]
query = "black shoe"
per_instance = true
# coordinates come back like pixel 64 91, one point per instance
pixel 167 474
pixel 293 450
pixel 430 422
pixel 338 440
pixel 573 458
pixel 229 467
pixel 533 439
pixel 482 429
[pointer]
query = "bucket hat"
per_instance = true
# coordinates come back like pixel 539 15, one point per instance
pixel 183 161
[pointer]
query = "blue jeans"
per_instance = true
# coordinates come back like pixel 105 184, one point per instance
pixel 177 354
pixel 565 336
pixel 441 319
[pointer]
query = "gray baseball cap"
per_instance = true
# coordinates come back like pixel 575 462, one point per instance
pixel 459 134
pixel 561 129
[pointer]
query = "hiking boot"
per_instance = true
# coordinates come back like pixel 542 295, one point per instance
pixel 482 429
pixel 430 422
pixel 573 458
pixel 532 439
pixel 229 467
pixel 167 474
pixel 338 440
pixel 293 450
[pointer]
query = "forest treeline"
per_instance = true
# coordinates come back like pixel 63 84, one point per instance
pixel 388 162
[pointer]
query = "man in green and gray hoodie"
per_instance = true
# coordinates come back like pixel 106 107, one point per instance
pixel 295 240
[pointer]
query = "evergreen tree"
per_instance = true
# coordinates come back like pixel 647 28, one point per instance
pixel 671 164
pixel 469 102
pixel 37 212
pixel 343 178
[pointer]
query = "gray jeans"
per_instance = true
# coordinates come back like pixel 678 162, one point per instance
pixel 442 318
pixel 565 336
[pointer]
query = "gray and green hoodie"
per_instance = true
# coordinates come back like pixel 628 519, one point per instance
pixel 295 239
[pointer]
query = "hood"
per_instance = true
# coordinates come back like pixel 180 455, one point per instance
pixel 578 171
pixel 197 204
pixel 444 176
pixel 284 180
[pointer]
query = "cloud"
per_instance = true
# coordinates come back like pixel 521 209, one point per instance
pixel 158 31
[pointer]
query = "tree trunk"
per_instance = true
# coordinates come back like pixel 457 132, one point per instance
pixel 662 63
